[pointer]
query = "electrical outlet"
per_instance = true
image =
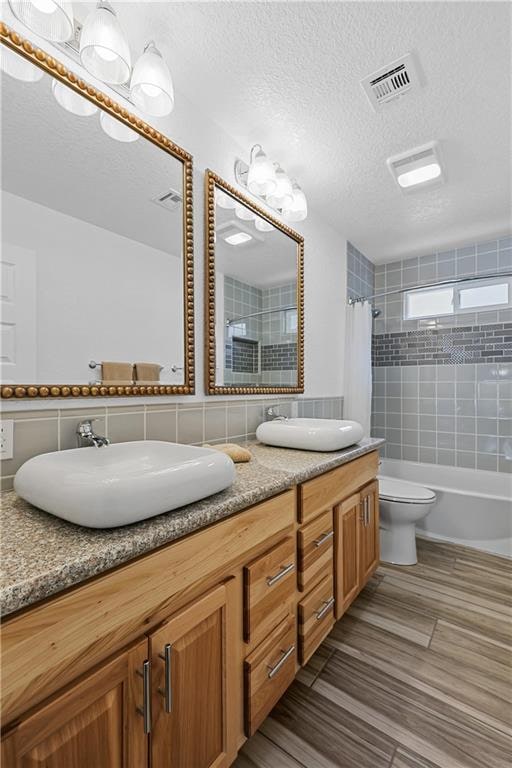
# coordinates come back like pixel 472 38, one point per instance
pixel 6 439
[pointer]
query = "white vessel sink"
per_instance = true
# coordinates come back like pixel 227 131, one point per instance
pixel 310 434
pixel 123 483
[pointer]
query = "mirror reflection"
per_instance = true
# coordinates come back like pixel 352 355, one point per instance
pixel 92 244
pixel 256 317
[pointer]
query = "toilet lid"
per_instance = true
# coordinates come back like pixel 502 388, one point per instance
pixel 394 489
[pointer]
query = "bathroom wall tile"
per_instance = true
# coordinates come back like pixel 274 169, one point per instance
pixel 31 437
pixel 123 427
pixel 6 482
pixel 255 416
pixel 428 455
pixel 487 461
pixel 161 425
pixel 236 421
pixel 428 439
pixel 190 426
pixel 445 440
pixel 23 415
pixel 504 464
pixel 465 459
pixel 445 457
pixel 215 427
pixel 427 421
pixel 393 451
pixel 410 453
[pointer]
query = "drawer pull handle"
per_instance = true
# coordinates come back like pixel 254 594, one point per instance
pixel 145 710
pixel 327 605
pixel 323 538
pixel 167 691
pixel 271 580
pixel 272 671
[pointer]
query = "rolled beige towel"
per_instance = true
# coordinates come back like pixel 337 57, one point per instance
pixel 116 373
pixel 234 451
pixel 146 373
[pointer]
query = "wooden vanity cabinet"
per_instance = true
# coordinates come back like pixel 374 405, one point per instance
pixel 193 681
pixel 94 722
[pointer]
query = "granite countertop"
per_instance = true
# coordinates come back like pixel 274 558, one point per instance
pixel 42 555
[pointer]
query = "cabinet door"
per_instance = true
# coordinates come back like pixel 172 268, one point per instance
pixel 369 537
pixel 193 676
pixel 95 722
pixel 346 552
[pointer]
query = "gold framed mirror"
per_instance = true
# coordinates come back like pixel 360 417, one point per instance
pixel 254 330
pixel 97 239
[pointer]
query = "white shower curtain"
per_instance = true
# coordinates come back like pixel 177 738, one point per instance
pixel 358 365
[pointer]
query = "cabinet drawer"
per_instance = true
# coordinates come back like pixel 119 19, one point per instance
pixel 316 617
pixel 269 670
pixel 269 586
pixel 315 551
pixel 329 489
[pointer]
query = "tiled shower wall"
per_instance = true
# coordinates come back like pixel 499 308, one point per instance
pixel 191 422
pixel 443 392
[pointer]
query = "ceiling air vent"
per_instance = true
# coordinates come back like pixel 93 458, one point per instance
pixel 391 82
pixel 170 200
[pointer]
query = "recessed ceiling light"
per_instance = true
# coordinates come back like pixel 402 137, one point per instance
pixel 420 167
pixel 238 238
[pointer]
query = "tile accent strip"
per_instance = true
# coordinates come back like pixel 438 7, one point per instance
pixel 461 344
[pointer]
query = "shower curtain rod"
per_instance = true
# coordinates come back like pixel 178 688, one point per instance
pixel 429 285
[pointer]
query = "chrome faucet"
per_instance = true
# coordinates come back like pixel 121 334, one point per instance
pixel 272 414
pixel 85 435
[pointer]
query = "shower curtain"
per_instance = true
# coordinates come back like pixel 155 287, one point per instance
pixel 358 365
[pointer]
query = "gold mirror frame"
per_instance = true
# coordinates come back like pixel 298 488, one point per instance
pixel 56 69
pixel 211 388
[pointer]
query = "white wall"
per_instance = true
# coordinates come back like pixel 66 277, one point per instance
pixel 325 248
pixel 99 296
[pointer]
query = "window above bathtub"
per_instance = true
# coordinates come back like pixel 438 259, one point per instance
pixel 467 296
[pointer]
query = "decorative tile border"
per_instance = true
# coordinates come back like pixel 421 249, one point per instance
pixel 449 346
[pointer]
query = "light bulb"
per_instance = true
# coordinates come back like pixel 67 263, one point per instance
pixel 18 67
pixel 263 226
pixel 244 213
pixel 297 209
pixel 116 129
pixel 71 101
pixel 52 19
pixel 151 87
pixel 261 179
pixel 283 194
pixel 104 51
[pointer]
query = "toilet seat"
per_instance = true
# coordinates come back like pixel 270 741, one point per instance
pixel 394 489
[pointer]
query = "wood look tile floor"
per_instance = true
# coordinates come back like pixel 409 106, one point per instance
pixel 417 674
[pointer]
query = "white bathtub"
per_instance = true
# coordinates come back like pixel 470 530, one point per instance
pixel 473 507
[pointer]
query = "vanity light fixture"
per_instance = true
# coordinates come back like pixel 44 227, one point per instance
pixel 104 50
pixel 238 238
pixel 282 196
pixel 268 181
pixel 261 178
pixel 297 210
pixel 117 130
pixel 51 19
pixel 241 212
pixel 18 67
pixel 417 168
pixel 151 87
pixel 263 226
pixel 71 101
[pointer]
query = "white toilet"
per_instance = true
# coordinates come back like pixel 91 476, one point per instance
pixel 402 504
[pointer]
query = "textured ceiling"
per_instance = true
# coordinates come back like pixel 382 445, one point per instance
pixel 287 74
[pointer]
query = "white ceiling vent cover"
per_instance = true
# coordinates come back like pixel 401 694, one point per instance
pixel 391 82
pixel 169 200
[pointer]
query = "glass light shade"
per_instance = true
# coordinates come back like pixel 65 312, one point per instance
pixel 52 19
pixel 18 67
pixel 71 101
pixel 151 87
pixel 224 201
pixel 261 179
pixel 244 213
pixel 117 130
pixel 297 210
pixel 283 194
pixel 104 51
pixel 263 226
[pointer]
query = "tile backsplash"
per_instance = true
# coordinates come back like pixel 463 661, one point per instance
pixel 192 422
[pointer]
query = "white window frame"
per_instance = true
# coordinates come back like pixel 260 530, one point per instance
pixel 457 288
